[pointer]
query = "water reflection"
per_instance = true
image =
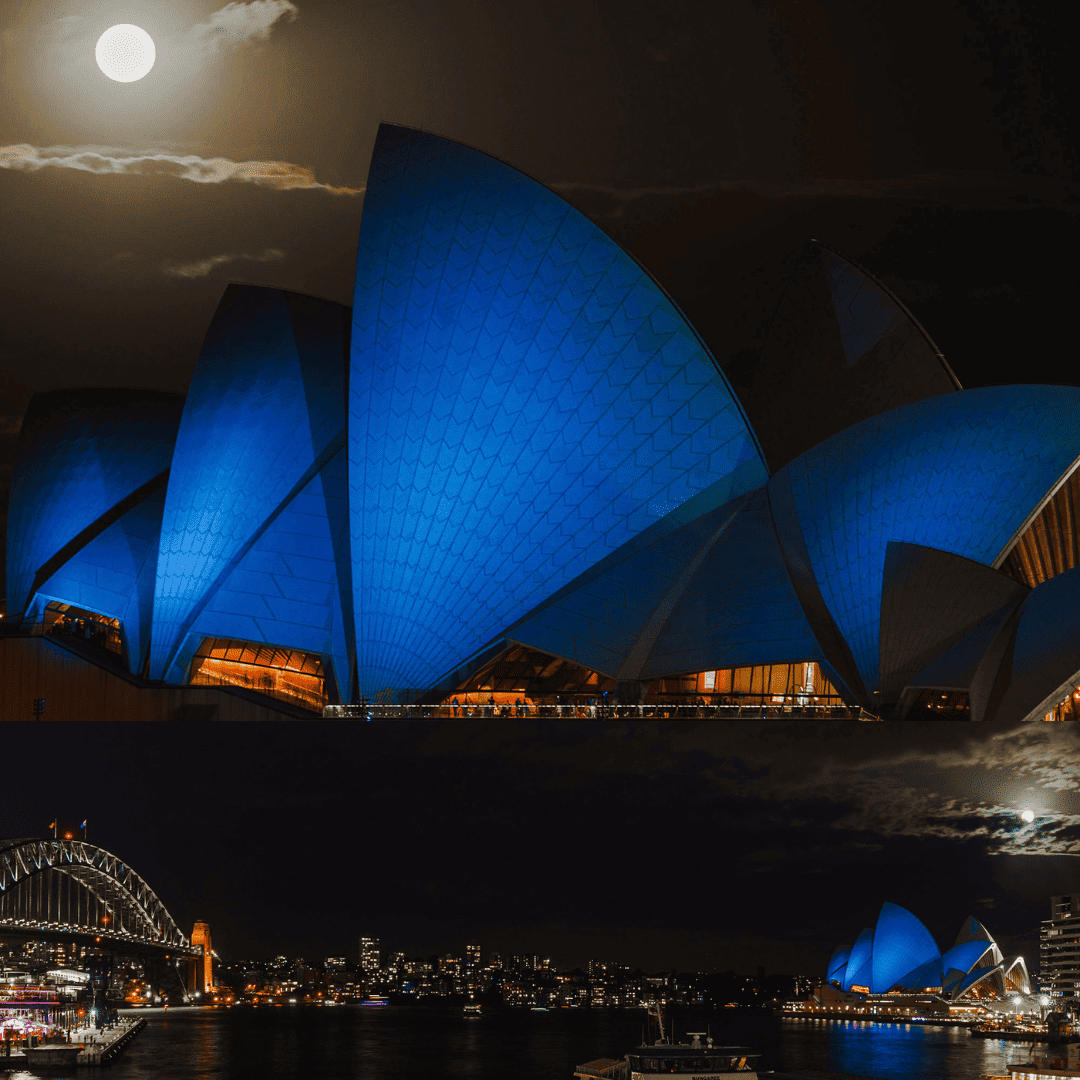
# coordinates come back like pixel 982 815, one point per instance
pixel 419 1043
pixel 893 1051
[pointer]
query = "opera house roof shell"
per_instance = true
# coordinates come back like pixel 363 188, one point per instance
pixel 899 953
pixel 515 438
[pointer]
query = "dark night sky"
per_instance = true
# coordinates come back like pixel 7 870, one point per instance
pixel 650 844
pixel 931 141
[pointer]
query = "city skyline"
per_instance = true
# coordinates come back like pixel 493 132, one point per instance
pixel 711 145
pixel 538 837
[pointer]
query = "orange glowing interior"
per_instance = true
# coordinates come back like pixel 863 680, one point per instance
pixel 287 674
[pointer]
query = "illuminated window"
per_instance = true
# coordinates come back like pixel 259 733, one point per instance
pixel 1066 709
pixel 939 705
pixel 286 674
pixel 67 621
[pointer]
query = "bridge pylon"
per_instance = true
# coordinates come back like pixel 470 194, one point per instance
pixel 201 972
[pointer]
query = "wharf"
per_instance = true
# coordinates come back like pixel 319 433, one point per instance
pixel 880 1018
pixel 91 1048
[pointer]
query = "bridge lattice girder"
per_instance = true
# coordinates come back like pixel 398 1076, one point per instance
pixel 107 877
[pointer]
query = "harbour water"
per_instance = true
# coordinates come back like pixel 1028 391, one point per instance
pixel 402 1043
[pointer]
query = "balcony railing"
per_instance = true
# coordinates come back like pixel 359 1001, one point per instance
pixel 743 711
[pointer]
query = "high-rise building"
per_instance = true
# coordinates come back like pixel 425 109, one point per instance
pixel 472 957
pixel 335 963
pixel 369 955
pixel 1059 951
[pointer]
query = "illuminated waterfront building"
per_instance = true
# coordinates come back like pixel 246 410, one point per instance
pixel 512 468
pixel 30 1009
pixel 1059 952
pixel 898 958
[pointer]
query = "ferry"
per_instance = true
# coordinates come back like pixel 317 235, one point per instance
pixel 375 999
pixel 472 1011
pixel 1012 1031
pixel 1056 1059
pixel 692 1059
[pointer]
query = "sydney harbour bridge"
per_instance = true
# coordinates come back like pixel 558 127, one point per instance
pixel 67 891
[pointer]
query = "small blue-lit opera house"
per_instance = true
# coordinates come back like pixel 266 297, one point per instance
pixel 899 956
pixel 513 469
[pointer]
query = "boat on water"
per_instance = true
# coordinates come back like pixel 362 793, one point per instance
pixel 472 1011
pixel 1056 1028
pixel 1056 1059
pixel 375 999
pixel 701 1060
pixel 1010 1032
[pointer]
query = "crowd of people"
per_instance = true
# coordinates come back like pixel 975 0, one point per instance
pixel 96 633
pixel 485 705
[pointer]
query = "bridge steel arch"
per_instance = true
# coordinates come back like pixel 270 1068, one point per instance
pixel 138 917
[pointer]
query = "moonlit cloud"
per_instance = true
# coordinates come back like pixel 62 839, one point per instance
pixel 202 267
pixel 237 23
pixel 282 175
pixel 927 185
pixel 857 785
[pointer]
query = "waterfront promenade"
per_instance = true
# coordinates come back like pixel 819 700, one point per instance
pixel 94 1047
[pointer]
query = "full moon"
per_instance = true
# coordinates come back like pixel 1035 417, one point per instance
pixel 125 52
pixel 1027 816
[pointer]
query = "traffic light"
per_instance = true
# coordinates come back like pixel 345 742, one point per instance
pixel 39 708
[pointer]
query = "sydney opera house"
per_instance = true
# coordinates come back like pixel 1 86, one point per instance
pixel 899 956
pixel 513 468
